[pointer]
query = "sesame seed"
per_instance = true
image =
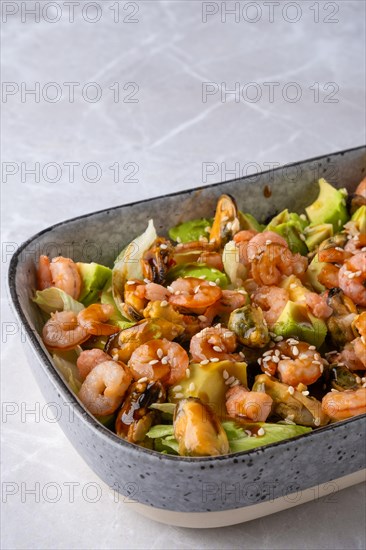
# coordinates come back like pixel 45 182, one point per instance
pixel 268 242
pixel 303 356
pixel 170 288
pixel 211 283
pixel 243 292
pixel 241 354
pixel 363 379
pixel 130 282
pixel 228 334
pixel 217 348
pixel 188 373
pixel 271 345
pixel 177 292
pixel 147 281
pixel 115 357
pixel 289 421
pixel 141 380
pixel 196 289
pixel 165 360
pixel 278 338
pixel 214 359
pixel 295 351
pixel 275 359
pixel 357 273
pixel 291 390
pixel 302 237
pixel 272 334
pixel 191 386
pixel 179 240
pixel 235 383
pixel 293 285
pixel 333 390
pixel 153 361
pixel 217 281
pixel 338 248
pixel 208 229
pixel 202 277
pixel 230 380
pixel 267 358
pixel 277 352
pixel 202 318
pixel 364 385
pixel 205 362
pixel 248 432
pixel 177 388
pixel 317 420
pixel 225 374
pixel 305 392
pixel 266 353
pixel 163 246
pixel 313 348
pixel 163 303
pixel 178 395
pixel 260 432
pixel 160 353
pixel 229 225
pixel 303 217
pixel 358 380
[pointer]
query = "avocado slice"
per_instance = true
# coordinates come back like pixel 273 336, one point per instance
pixel 316 234
pixel 198 270
pixel 312 273
pixel 247 221
pixel 329 207
pixel 359 217
pixel 296 321
pixel 291 227
pixel 207 382
pixel 94 277
pixel 191 230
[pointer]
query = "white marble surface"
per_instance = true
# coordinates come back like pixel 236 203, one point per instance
pixel 169 135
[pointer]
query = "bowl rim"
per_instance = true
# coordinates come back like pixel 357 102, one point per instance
pixel 78 408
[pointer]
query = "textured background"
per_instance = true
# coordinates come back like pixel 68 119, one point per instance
pixel 149 115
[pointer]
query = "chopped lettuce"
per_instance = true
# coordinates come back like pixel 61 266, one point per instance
pixel 128 265
pixel 54 299
pixel 65 363
pixel 236 271
pixel 167 408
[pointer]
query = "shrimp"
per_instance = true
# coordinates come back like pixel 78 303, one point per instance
pixel 353 355
pixel 329 276
pixel 212 259
pixel 103 389
pixel 356 243
pixel 352 278
pixel 272 300
pixel 344 404
pixel 249 404
pixel 159 360
pixel 61 273
pixel 44 276
pixel 360 323
pixel 230 300
pixel 214 344
pixel 90 358
pixel 361 188
pixel 156 292
pixel 194 294
pixel 93 319
pixel 318 305
pixel 295 362
pixel 271 258
pixel 63 332
pixel 241 240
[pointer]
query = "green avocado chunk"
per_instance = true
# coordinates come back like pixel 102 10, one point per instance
pixel 316 234
pixel 291 227
pixel 312 273
pixel 191 230
pixel 94 277
pixel 329 207
pixel 207 382
pixel 297 321
pixel 359 217
pixel 198 270
pixel 247 221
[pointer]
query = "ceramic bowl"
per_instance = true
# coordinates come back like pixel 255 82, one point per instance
pixel 193 492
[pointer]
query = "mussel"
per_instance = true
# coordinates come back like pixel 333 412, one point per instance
pixel 135 418
pixel 226 222
pixel 157 260
pixel 198 430
pixel 340 323
pixel 249 326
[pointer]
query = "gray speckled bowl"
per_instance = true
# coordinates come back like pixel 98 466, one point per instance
pixel 200 492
